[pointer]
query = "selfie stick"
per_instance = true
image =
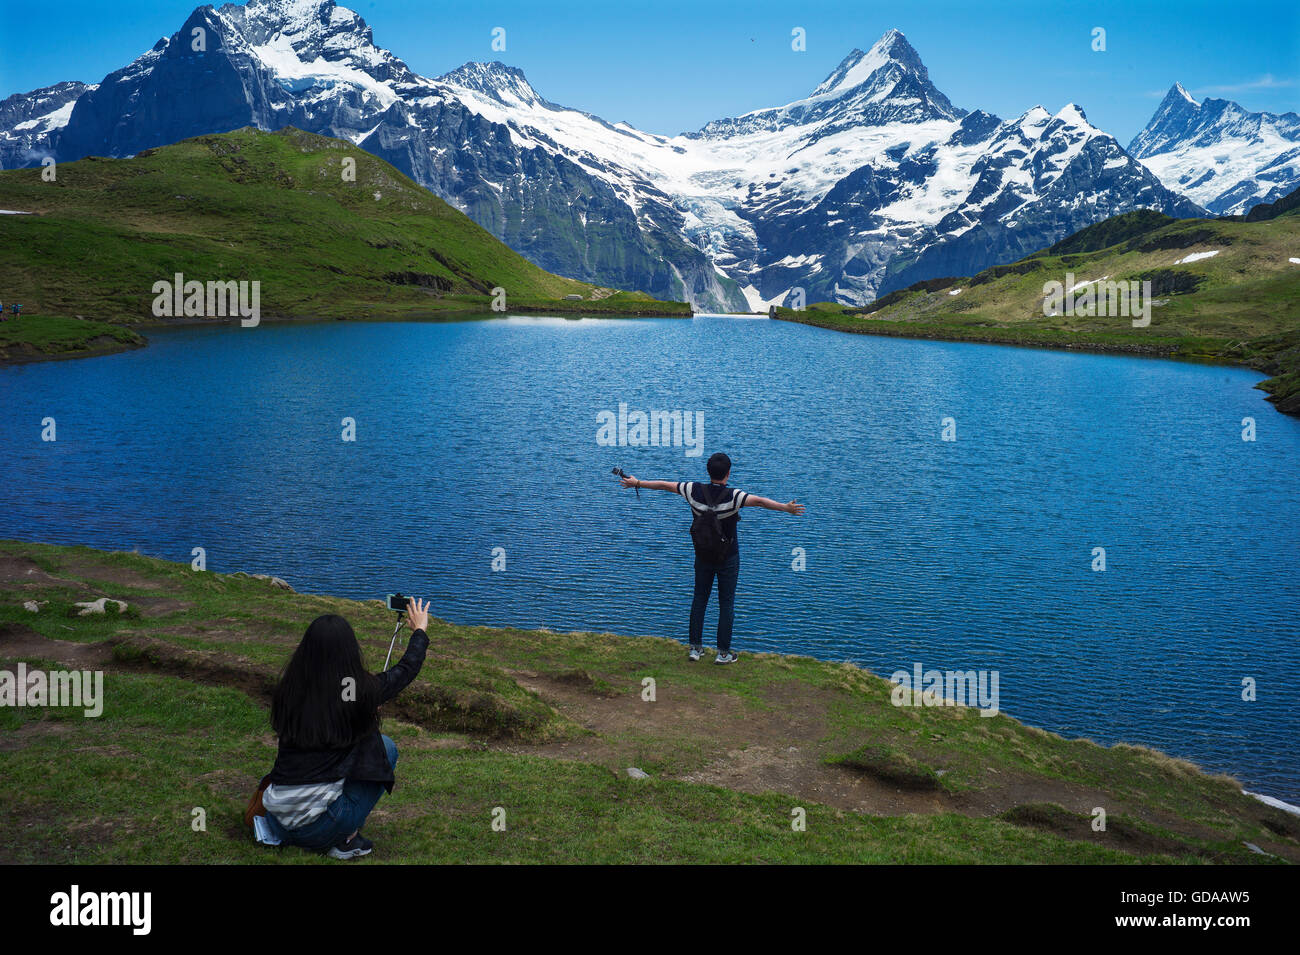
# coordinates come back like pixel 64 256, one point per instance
pixel 392 643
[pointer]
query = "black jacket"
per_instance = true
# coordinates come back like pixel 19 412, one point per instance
pixel 364 760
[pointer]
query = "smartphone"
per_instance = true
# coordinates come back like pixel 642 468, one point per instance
pixel 397 602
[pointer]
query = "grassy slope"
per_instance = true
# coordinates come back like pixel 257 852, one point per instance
pixel 1245 309
pixel 528 720
pixel 263 206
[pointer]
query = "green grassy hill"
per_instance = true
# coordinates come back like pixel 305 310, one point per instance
pixel 272 207
pixel 1240 305
pixel 545 725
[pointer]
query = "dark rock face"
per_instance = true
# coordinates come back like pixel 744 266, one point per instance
pixel 544 206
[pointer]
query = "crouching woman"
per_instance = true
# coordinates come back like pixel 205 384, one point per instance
pixel 333 764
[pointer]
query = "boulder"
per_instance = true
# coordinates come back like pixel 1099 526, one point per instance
pixel 276 582
pixel 99 606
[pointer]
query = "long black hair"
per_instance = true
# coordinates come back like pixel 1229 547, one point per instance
pixel 314 707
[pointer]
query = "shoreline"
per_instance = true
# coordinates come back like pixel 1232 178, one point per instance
pixel 1275 802
pixel 21 353
pixel 29 339
pixel 1167 352
pixel 97 352
pixel 549 632
pixel 1283 395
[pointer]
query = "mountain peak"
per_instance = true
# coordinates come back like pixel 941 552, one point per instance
pixel 887 84
pixel 1176 115
pixel 1073 114
pixel 1177 92
pixel 858 68
pixel 1220 155
pixel 495 80
pixel 894 45
pixel 291 10
pixel 301 20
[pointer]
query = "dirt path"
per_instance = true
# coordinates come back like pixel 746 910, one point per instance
pixel 771 750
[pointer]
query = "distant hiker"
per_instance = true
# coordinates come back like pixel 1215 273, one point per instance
pixel 716 509
pixel 333 763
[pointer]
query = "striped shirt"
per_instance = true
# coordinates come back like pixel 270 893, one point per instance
pixel 730 501
pixel 296 806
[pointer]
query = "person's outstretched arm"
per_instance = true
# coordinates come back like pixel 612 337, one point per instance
pixel 631 481
pixel 395 679
pixel 789 507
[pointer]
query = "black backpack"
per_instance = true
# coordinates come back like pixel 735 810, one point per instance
pixel 712 545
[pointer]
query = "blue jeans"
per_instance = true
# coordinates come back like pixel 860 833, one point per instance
pixel 726 573
pixel 344 816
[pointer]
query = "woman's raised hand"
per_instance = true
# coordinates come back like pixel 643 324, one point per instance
pixel 417 614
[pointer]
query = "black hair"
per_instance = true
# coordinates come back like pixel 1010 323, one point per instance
pixel 313 706
pixel 719 466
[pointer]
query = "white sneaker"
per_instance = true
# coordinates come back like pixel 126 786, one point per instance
pixel 353 848
pixel 694 655
pixel 729 656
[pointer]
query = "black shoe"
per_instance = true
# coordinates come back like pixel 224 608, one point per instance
pixel 353 848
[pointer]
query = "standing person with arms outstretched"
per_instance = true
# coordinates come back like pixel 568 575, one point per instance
pixel 716 509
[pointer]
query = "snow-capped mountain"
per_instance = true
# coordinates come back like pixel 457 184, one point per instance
pixel 871 182
pixel 29 120
pixel 314 65
pixel 1219 155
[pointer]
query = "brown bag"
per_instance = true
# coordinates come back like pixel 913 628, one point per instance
pixel 255 807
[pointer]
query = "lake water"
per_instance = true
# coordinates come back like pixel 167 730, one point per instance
pixel 968 554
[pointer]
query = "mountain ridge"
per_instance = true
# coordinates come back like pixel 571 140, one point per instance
pixel 1219 154
pixel 874 180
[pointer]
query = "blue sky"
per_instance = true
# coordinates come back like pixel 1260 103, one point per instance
pixel 670 66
